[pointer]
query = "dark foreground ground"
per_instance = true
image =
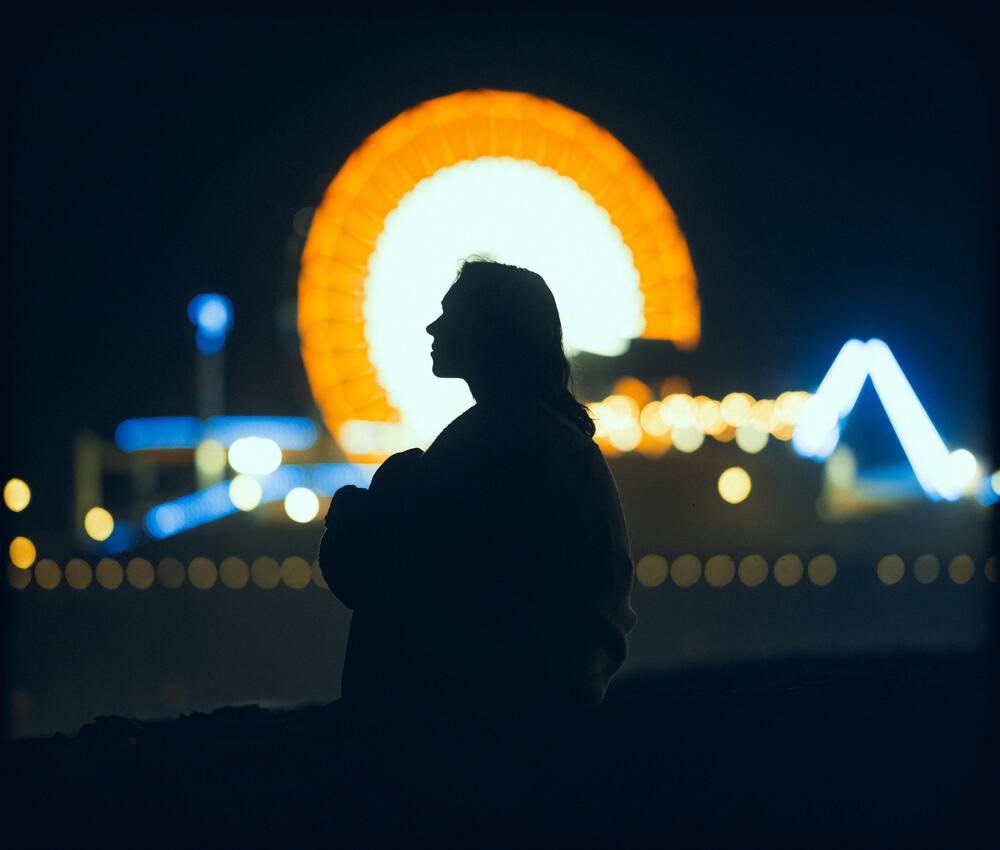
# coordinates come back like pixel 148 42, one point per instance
pixel 887 752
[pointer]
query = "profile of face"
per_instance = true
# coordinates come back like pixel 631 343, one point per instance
pixel 453 346
pixel 498 330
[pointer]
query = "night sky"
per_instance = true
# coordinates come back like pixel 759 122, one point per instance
pixel 830 174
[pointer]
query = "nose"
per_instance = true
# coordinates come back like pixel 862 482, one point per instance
pixel 432 325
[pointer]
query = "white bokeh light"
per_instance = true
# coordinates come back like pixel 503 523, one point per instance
pixel 254 455
pixel 301 504
pixel 513 211
pixel 245 492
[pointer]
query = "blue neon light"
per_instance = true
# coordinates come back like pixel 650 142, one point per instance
pixel 941 475
pixel 160 432
pixel 189 511
pixel 292 433
pixel 818 429
pixel 212 315
pixel 213 503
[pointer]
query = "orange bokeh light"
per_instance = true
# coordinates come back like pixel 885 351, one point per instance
pixel 440 133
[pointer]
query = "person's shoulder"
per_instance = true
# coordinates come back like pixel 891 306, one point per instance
pixel 457 438
pixel 509 427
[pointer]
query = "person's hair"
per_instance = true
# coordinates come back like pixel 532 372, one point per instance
pixel 520 335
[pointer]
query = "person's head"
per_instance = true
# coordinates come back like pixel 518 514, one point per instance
pixel 499 330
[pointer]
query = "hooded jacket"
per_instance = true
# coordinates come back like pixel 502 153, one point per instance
pixel 491 571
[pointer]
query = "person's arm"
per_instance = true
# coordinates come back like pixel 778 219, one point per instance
pixel 346 545
pixel 361 525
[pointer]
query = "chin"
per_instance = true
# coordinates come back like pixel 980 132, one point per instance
pixel 441 370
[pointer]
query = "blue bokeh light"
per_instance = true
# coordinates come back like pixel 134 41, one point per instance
pixel 291 433
pixel 941 475
pixel 212 315
pixel 213 503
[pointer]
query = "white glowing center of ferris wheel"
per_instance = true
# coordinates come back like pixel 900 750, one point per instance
pixel 513 211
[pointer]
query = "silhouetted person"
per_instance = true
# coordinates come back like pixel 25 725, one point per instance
pixel 490 575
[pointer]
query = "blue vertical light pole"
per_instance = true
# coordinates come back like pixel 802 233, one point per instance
pixel 212 316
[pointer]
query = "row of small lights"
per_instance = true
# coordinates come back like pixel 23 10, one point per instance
pixel 720 570
pixel 630 419
pixel 202 573
pixel 297 573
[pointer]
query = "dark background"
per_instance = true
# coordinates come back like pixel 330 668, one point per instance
pixel 831 173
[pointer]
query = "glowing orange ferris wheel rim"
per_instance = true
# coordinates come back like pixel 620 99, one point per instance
pixel 440 133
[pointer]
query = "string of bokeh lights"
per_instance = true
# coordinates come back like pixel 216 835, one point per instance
pixel 296 573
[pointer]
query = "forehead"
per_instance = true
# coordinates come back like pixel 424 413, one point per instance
pixel 454 297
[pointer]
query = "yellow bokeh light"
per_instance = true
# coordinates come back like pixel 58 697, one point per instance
pixel 651 420
pixel 651 570
pixel 98 523
pixel 753 570
pixel 735 409
pixel 688 438
pixel 626 437
pixel 622 406
pixel 301 504
pixel 171 573
pixel 822 570
pixel 450 131
pixel 210 458
pixel 990 570
pixel 16 495
pixel 734 485
pixel 750 438
pixel 202 573
pixel 788 570
pixel 47 574
pixel 17 578
pixel 680 411
pixel 255 455
pixel 265 573
pixel 995 482
pixel 685 570
pixel 726 435
pixel 890 569
pixel 234 573
pixel 926 569
pixel 707 416
pixel 140 573
pixel 720 570
pixel 22 552
pixel 109 573
pixel 788 406
pixel 79 575
pixel 961 568
pixel 245 492
pixel 763 415
pixel 783 431
pixel 296 572
pixel 676 419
